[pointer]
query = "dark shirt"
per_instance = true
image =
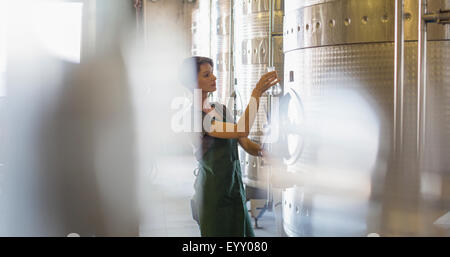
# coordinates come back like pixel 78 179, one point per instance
pixel 202 141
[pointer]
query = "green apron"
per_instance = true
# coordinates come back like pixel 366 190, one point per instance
pixel 219 191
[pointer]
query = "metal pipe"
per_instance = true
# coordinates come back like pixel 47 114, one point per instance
pixel 232 89
pixel 231 50
pixel 269 96
pixel 398 76
pixel 271 2
pixel 421 77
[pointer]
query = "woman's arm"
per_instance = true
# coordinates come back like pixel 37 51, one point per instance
pixel 250 147
pixel 245 123
pixel 241 129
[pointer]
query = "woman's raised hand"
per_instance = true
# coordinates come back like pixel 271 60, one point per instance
pixel 266 81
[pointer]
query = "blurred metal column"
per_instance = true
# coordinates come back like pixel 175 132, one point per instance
pixel 421 77
pixel 231 91
pixel 398 76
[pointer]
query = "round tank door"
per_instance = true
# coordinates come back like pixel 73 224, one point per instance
pixel 287 129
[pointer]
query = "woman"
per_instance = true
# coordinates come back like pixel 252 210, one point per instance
pixel 219 193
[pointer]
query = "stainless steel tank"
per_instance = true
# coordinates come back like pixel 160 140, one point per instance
pixel 257 45
pixel 201 31
pixel 220 47
pixel 341 121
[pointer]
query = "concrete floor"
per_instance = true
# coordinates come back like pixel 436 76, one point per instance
pixel 165 197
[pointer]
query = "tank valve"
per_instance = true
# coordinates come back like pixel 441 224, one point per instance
pixel 440 17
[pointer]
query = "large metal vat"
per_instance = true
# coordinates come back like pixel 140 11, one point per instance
pixel 220 46
pixel 339 74
pixel 211 38
pixel 201 31
pixel 257 44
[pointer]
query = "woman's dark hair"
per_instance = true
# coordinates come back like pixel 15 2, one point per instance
pixel 190 68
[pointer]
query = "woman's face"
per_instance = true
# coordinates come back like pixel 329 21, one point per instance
pixel 206 78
